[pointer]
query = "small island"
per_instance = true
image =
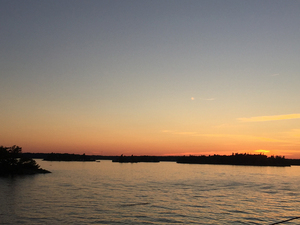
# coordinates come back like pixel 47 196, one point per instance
pixel 136 159
pixel 237 159
pixel 69 157
pixel 13 163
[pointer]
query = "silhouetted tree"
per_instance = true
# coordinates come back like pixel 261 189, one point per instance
pixel 12 162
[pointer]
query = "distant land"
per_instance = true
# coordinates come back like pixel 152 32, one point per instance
pixel 234 159
pixel 68 157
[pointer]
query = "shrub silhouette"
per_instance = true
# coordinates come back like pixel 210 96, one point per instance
pixel 12 162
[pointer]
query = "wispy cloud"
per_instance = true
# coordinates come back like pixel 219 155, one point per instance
pixel 204 99
pixel 208 99
pixel 270 118
pixel 275 74
pixel 224 125
pixel 181 132
pixel 228 136
pixel 294 133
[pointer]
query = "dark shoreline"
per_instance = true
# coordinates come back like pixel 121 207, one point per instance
pixel 234 159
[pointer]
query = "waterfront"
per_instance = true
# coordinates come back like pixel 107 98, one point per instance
pixel 151 193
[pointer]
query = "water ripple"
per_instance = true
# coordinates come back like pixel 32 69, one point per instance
pixel 163 193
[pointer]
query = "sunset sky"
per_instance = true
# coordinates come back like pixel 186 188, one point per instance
pixel 150 77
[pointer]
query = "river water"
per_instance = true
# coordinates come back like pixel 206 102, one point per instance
pixel 151 193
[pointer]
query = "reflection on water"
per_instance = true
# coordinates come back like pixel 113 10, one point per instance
pixel 151 193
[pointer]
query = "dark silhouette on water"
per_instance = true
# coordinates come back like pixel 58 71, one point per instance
pixel 236 159
pixel 12 162
pixel 69 157
pixel 286 220
pixel 136 159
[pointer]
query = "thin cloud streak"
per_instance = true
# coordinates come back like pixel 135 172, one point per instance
pixel 239 136
pixel 204 99
pixel 208 99
pixel 270 118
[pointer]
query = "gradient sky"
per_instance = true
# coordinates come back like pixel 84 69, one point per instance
pixel 150 77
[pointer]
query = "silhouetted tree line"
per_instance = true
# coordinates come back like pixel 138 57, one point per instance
pixel 136 159
pixel 68 157
pixel 96 157
pixel 234 159
pixel 12 162
pixel 237 159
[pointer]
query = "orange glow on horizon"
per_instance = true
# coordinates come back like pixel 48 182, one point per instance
pixel 265 152
pixel 220 140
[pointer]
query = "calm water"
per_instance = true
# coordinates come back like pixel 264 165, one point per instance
pixel 151 193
